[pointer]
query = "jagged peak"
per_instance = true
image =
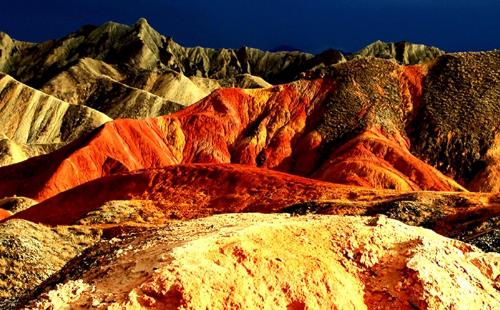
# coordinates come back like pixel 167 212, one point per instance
pixel 380 43
pixel 142 26
pixel 110 26
pixel 4 35
pixel 142 22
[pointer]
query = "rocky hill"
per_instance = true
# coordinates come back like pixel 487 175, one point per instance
pixel 458 122
pixel 258 261
pixel 404 52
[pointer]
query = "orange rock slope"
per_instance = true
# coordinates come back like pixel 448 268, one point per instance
pixel 292 128
pixel 4 214
pixel 198 190
pixel 187 191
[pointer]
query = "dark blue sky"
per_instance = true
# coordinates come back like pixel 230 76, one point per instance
pixel 309 25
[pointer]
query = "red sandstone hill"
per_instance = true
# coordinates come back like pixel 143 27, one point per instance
pixel 187 191
pixel 192 191
pixel 358 126
pixel 305 128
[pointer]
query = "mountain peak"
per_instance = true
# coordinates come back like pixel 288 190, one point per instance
pixel 142 22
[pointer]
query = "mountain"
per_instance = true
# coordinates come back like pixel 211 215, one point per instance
pixel 140 47
pixel 138 173
pixel 463 91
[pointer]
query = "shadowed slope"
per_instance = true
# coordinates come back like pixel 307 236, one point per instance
pixel 456 127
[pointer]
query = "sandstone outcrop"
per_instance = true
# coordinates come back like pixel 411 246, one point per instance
pixel 270 261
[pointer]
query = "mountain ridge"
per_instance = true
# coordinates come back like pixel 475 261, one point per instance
pixel 165 51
